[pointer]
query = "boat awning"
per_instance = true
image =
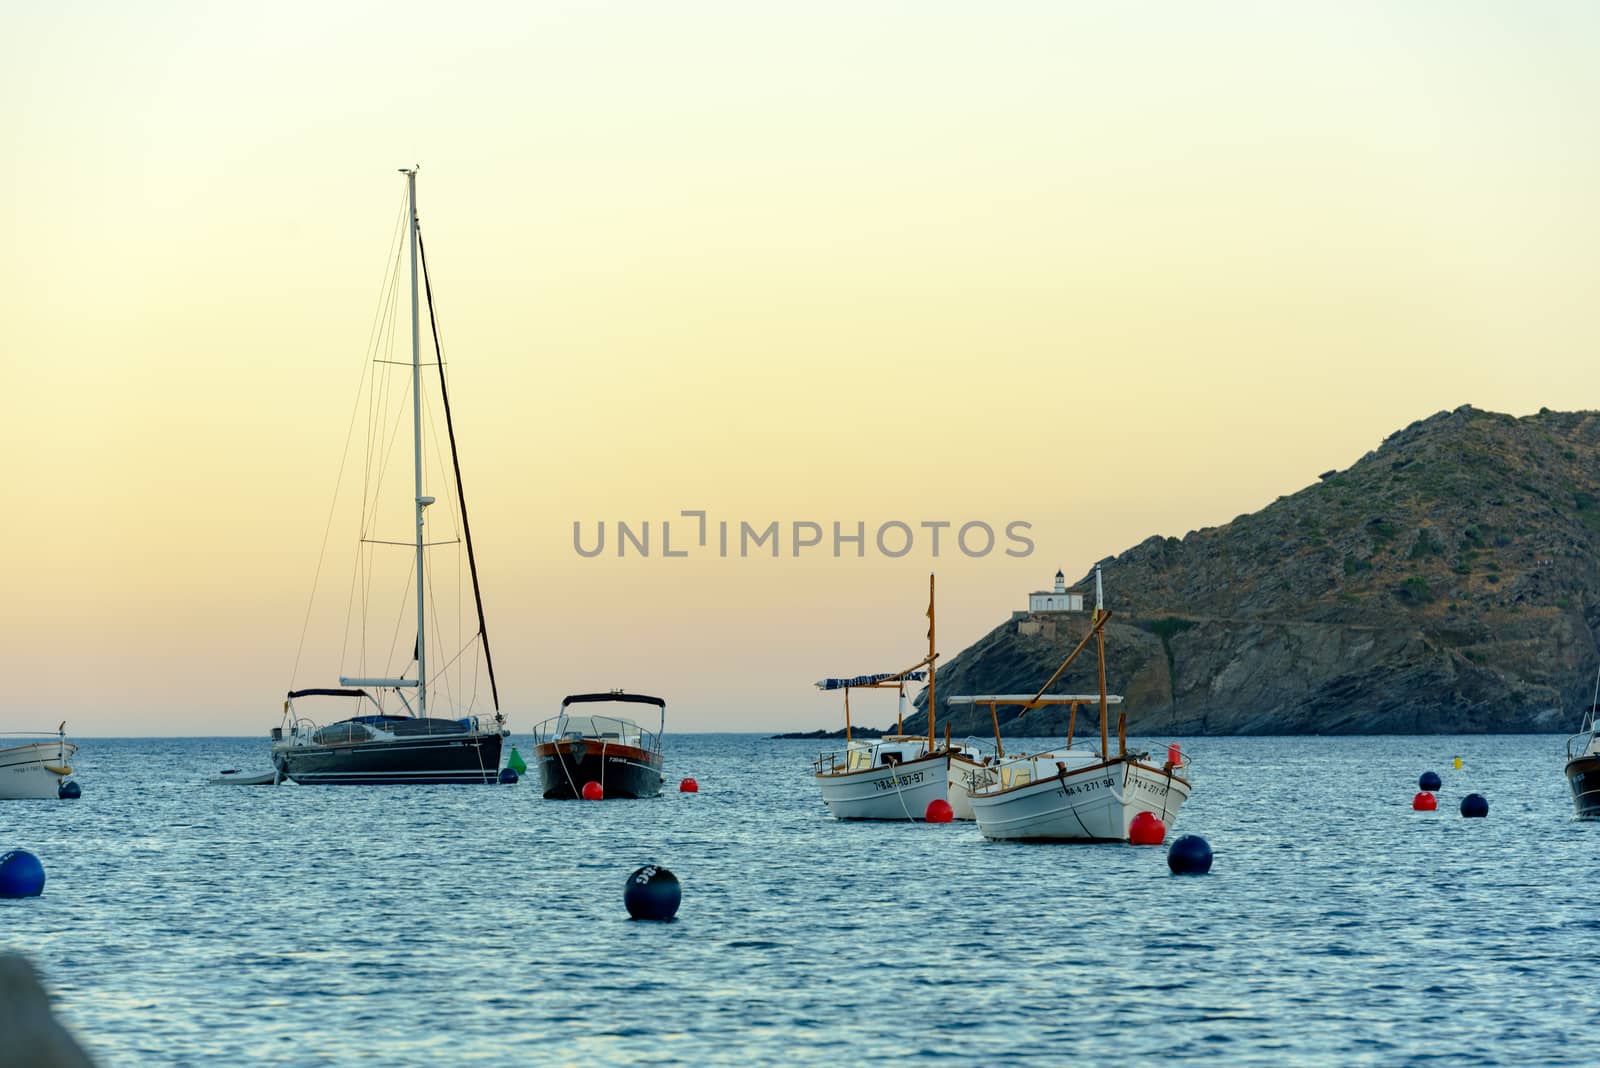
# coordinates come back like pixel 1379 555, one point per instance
pixel 1029 699
pixel 631 698
pixel 869 680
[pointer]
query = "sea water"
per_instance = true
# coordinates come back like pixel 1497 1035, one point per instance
pixel 185 923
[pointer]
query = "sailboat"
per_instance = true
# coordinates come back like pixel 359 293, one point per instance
pixel 1075 794
pixel 1583 762
pixel 37 769
pixel 397 734
pixel 894 777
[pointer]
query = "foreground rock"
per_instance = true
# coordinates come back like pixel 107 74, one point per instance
pixel 1447 582
pixel 30 1037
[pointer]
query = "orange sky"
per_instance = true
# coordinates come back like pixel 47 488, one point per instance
pixel 1113 270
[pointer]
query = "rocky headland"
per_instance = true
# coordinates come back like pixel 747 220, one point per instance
pixel 1449 581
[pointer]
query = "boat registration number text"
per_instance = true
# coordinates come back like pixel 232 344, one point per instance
pixel 895 782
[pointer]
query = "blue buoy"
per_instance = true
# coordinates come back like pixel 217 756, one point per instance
pixel 21 874
pixel 653 894
pixel 1189 855
pixel 508 777
pixel 1429 781
pixel 1474 806
pixel 69 791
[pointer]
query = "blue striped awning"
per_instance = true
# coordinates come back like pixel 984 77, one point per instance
pixel 868 680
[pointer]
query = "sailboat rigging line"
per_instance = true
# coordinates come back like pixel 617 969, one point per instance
pixel 442 673
pixel 455 460
pixel 344 454
pixel 378 395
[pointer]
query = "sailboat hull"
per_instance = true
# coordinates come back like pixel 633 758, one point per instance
pixel 458 758
pixel 1090 804
pixel 26 771
pixel 899 791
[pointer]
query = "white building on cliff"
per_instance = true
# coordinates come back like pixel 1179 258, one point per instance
pixel 1056 600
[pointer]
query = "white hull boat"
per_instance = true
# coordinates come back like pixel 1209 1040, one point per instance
pixel 865 787
pixel 967 773
pixel 1076 795
pixel 1080 798
pixel 35 770
pixel 897 776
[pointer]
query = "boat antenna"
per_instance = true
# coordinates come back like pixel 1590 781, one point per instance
pixel 455 462
pixel 932 667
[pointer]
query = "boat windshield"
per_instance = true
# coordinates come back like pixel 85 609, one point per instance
pixel 603 729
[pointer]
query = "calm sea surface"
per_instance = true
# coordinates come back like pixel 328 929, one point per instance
pixel 191 924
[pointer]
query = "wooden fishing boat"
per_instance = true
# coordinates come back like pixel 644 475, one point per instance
pixel 894 777
pixel 1075 794
pixel 36 770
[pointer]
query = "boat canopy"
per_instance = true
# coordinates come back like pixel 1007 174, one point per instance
pixel 869 680
pixel 615 695
pixel 1030 699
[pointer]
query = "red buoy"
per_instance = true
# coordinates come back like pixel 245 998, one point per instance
pixel 1174 756
pixel 939 811
pixel 688 786
pixel 1424 802
pixel 1147 829
pixel 592 791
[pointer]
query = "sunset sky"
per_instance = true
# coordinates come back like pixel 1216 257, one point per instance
pixel 1111 269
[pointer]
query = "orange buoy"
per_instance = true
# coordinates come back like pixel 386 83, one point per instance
pixel 1147 829
pixel 939 811
pixel 1424 802
pixel 592 791
pixel 688 786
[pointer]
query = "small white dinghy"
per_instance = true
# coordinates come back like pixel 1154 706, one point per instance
pixel 36 769
pixel 235 777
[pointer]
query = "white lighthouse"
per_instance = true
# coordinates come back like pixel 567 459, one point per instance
pixel 1055 600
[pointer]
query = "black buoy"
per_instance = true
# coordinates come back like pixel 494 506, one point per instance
pixel 1429 781
pixel 69 791
pixel 1474 806
pixel 1189 855
pixel 508 777
pixel 21 874
pixel 653 894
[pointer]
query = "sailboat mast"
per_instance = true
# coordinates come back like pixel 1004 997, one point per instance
pixel 416 447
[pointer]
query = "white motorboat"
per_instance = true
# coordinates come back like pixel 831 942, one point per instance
pixel 894 777
pixel 1075 794
pixel 36 769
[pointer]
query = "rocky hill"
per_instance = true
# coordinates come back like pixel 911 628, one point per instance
pixel 1449 581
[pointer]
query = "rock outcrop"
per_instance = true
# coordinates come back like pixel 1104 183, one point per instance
pixel 1449 581
pixel 30 1036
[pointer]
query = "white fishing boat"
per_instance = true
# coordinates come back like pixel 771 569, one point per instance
pixel 1074 794
pixel 37 769
pixel 894 777
pixel 415 721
